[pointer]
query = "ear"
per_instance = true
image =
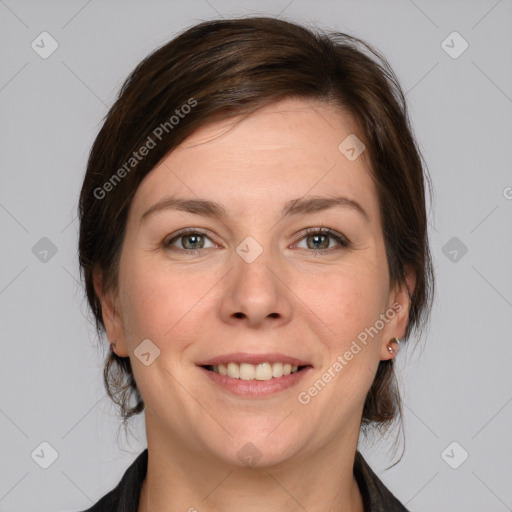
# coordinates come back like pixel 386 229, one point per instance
pixel 399 303
pixel 112 318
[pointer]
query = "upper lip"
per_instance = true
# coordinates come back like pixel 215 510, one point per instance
pixel 243 357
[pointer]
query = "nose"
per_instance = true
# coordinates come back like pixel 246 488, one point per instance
pixel 256 294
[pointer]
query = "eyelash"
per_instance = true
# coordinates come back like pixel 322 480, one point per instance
pixel 341 239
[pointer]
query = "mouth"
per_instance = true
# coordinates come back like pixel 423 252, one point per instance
pixel 254 376
pixel 247 366
pixel 261 371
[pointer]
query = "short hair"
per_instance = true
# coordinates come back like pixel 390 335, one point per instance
pixel 230 68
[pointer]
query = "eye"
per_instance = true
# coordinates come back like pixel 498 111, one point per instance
pixel 189 241
pixel 318 240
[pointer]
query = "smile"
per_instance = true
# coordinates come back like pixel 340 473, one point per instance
pixel 251 386
pixel 262 371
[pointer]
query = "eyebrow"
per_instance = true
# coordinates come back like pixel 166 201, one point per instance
pixel 300 206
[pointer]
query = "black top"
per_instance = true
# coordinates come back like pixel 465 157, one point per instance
pixel 125 497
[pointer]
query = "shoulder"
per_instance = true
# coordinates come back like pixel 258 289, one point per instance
pixel 376 496
pixel 125 496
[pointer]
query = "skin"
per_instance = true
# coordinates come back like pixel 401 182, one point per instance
pixel 294 298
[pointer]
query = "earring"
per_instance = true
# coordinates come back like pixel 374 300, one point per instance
pixel 112 346
pixel 397 341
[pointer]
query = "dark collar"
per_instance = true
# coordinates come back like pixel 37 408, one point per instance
pixel 125 497
pixel 376 496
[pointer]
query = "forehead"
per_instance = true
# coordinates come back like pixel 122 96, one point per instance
pixel 282 151
pixel 284 130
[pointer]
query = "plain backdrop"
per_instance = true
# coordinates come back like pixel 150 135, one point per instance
pixel 456 386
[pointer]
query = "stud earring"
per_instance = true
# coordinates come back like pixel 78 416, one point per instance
pixel 390 349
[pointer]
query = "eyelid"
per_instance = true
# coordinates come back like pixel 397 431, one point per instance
pixel 186 231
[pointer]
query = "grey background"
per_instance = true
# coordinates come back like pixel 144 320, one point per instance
pixel 456 386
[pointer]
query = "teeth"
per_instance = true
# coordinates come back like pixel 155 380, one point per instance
pixel 247 371
pixel 263 371
pixel 277 370
pixel 233 370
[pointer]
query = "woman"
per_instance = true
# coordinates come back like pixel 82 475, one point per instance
pixel 253 242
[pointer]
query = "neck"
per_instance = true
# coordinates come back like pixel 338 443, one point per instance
pixel 180 478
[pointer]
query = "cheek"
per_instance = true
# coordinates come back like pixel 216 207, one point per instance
pixel 344 305
pixel 347 299
pixel 158 301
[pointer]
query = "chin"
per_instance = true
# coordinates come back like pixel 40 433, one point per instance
pixel 260 450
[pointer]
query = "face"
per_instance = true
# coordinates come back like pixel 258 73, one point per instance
pixel 274 271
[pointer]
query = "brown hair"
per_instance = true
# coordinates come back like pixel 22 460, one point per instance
pixel 230 68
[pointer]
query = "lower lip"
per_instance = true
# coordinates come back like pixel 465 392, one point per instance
pixel 256 388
